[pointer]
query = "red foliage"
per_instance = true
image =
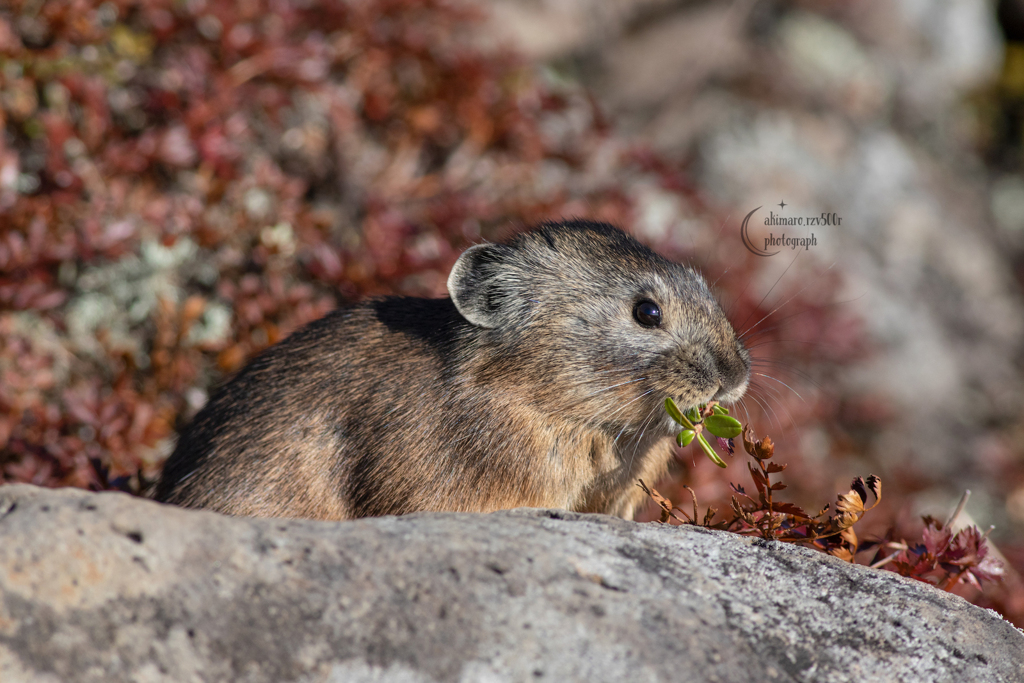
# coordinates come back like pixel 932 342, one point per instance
pixel 944 557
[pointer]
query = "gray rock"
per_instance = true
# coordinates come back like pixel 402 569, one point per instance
pixel 105 587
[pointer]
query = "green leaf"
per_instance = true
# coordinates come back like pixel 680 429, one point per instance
pixel 719 410
pixel 673 411
pixel 685 437
pixel 709 451
pixel 723 426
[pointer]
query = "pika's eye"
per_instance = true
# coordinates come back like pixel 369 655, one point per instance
pixel 647 313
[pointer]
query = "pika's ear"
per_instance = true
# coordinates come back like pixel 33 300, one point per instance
pixel 476 284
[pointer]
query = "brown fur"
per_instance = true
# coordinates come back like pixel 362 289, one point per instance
pixel 533 386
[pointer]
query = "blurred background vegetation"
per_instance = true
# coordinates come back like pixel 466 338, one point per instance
pixel 185 182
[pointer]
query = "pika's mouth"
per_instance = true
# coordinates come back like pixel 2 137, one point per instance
pixel 732 394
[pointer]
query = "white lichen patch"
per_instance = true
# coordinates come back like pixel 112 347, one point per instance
pixel 114 299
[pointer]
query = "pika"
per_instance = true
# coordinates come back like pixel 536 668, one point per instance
pixel 539 383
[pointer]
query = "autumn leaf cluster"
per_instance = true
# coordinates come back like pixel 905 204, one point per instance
pixel 943 557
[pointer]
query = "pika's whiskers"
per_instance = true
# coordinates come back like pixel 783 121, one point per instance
pixel 795 392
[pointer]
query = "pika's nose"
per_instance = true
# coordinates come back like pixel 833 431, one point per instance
pixel 733 374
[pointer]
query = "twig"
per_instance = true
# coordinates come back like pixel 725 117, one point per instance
pixel 959 508
pixel 884 561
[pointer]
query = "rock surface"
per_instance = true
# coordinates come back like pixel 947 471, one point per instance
pixel 104 587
